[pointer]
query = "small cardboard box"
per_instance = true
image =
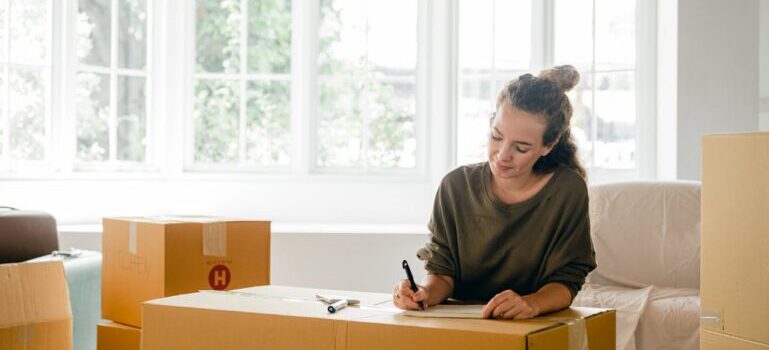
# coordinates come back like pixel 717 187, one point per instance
pixel 150 258
pixel 34 307
pixel 734 282
pixel 115 336
pixel 273 317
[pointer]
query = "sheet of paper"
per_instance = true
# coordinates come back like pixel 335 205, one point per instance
pixel 449 311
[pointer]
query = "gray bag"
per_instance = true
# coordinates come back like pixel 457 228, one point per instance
pixel 26 234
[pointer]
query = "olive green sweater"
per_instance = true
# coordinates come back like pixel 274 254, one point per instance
pixel 488 246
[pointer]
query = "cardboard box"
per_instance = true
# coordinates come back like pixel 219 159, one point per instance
pixel 34 307
pixel 735 235
pixel 149 258
pixel 273 317
pixel 115 336
pixel 710 340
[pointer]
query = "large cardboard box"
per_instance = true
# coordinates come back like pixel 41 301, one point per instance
pixel 149 258
pixel 115 336
pixel 735 236
pixel 273 317
pixel 710 340
pixel 34 307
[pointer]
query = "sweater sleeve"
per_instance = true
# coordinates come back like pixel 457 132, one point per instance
pixel 439 259
pixel 572 256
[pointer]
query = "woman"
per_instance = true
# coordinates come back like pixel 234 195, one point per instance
pixel 513 231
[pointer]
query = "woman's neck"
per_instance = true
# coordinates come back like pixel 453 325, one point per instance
pixel 518 189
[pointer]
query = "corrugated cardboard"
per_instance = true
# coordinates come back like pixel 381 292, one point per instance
pixel 34 307
pixel 710 340
pixel 735 235
pixel 273 317
pixel 115 336
pixel 149 258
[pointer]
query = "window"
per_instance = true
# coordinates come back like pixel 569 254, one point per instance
pixel 493 50
pixel 367 68
pixel 112 82
pixel 598 37
pixel 25 75
pixel 242 83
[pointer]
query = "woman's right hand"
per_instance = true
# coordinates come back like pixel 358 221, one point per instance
pixel 406 299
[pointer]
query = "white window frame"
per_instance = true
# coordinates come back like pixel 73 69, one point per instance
pixel 28 166
pixel 304 102
pixel 72 67
pixel 543 48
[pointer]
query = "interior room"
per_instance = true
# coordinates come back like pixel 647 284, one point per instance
pixel 381 174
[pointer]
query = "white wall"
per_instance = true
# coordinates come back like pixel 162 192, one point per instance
pixel 763 47
pixel 717 74
pixel 337 201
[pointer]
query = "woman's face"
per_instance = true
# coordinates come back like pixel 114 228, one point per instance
pixel 515 142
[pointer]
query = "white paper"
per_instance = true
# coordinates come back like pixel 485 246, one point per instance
pixel 448 311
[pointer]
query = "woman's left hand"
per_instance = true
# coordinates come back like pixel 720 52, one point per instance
pixel 509 305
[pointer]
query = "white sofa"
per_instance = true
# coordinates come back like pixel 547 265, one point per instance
pixel 647 241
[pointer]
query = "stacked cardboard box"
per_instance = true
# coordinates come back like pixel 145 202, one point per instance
pixel 735 242
pixel 154 257
pixel 34 307
pixel 273 317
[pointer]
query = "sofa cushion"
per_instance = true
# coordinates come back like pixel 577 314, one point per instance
pixel 646 233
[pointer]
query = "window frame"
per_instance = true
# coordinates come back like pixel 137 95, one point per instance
pixel 644 70
pixel 168 110
pixel 7 164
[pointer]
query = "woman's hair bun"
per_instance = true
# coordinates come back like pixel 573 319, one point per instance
pixel 565 77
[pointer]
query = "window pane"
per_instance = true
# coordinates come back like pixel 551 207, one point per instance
pixel 27 113
pixel 92 98
pixel 392 139
pixel 512 34
pixel 132 35
pixel 392 49
pixel 218 36
pixel 475 108
pixel 581 98
pixel 216 121
pixel 615 34
pixel 3 92
pixel 615 145
pixel 93 32
pixel 367 113
pixel 269 36
pixel 29 34
pixel 574 33
pixel 268 136
pixel 476 39
pixel 3 34
pixel 132 119
pixel 340 125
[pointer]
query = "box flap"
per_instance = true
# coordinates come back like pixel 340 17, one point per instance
pixel 33 292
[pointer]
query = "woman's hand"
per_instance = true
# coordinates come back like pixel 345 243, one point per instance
pixel 509 305
pixel 406 299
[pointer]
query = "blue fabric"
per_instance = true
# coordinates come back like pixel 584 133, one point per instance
pixel 83 274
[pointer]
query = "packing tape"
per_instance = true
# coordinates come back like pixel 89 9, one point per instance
pixel 215 239
pixel 132 237
pixel 577 332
